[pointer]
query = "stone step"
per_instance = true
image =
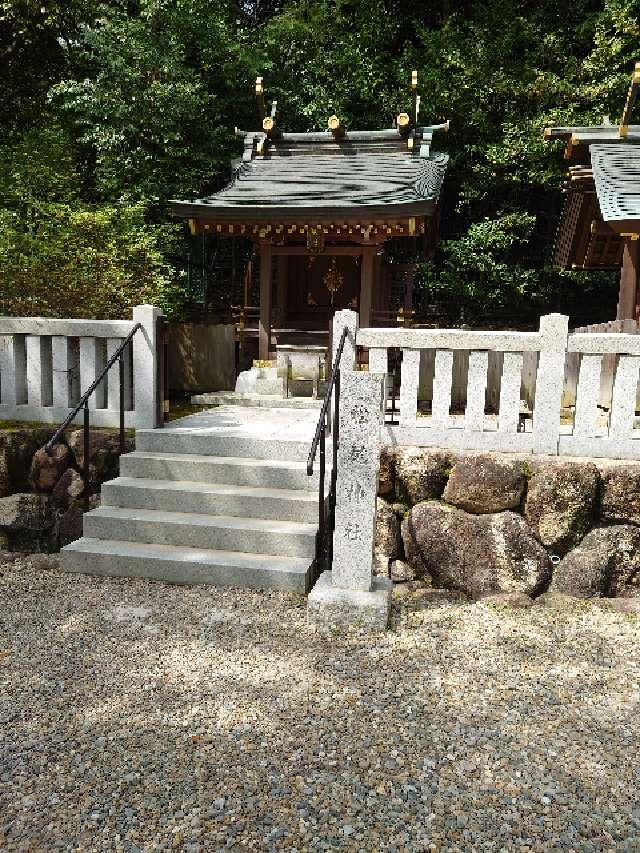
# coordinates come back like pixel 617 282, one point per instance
pixel 225 533
pixel 260 401
pixel 186 565
pixel 211 443
pixel 211 499
pixel 239 471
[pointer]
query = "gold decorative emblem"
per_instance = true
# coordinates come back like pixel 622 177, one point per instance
pixel 315 240
pixel 333 279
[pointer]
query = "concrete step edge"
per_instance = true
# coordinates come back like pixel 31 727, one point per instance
pixel 240 461
pixel 236 522
pixel 222 444
pixel 208 488
pixel 180 553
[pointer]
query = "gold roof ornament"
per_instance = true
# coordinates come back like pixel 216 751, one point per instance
pixel 632 95
pixel 336 126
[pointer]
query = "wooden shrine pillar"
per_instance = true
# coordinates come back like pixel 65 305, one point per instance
pixel 629 279
pixel 408 287
pixel 264 326
pixel 366 284
pixel 282 271
pixel 377 302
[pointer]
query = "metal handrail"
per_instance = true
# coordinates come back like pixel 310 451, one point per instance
pixel 324 536
pixel 83 402
pixel 335 374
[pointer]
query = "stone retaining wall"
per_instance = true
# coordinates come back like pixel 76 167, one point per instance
pixel 41 503
pixel 489 524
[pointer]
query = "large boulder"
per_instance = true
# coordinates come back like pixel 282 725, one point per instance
pixel 386 472
pixel 420 474
pixel 483 483
pixel 605 563
pixel 401 572
pixel 69 526
pixel 26 511
pixel 561 503
pixel 48 466
pixel 68 489
pixel 5 476
pixel 478 554
pixel 388 541
pixel 104 453
pixel 621 494
pixel 17 447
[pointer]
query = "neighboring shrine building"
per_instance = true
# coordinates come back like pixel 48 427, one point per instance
pixel 321 209
pixel 600 222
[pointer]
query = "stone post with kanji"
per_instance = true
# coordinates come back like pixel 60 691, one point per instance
pixel 349 594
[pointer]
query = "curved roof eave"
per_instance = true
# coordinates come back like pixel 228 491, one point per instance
pixel 250 213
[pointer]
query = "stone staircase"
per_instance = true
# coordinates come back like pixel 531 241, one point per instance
pixel 205 506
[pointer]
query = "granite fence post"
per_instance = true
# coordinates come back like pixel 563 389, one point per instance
pixel 145 366
pixel 554 331
pixel 343 318
pixel 13 370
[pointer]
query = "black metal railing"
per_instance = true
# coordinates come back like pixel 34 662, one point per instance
pixel 327 507
pixel 83 403
pixel 392 414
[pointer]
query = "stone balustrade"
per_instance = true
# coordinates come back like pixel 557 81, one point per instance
pixel 46 364
pixel 545 425
pixel 350 594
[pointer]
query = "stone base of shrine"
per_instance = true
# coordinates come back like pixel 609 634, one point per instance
pixel 330 607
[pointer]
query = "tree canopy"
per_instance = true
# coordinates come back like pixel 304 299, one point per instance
pixel 114 108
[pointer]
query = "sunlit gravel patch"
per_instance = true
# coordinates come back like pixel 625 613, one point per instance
pixel 138 716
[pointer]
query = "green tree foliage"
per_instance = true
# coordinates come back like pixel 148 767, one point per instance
pixel 115 108
pixel 91 262
pixel 32 38
pixel 149 106
pixel 60 256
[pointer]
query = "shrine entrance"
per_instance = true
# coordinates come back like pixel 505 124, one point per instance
pixel 318 285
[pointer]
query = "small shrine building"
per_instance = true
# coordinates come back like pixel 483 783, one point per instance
pixel 600 223
pixel 322 209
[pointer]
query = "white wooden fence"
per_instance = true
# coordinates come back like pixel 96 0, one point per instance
pixel 47 364
pixel 586 430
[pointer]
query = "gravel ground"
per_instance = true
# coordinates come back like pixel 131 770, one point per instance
pixel 140 716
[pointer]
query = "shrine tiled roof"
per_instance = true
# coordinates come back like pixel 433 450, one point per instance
pixel 603 195
pixel 616 174
pixel 316 175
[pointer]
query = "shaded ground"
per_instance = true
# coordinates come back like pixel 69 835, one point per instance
pixel 140 716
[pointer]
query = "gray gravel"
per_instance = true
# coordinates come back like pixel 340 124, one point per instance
pixel 140 716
